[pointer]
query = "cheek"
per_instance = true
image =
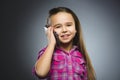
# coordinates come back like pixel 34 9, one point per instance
pixel 75 31
pixel 57 31
pixel 72 30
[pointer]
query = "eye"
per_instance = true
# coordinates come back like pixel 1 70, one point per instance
pixel 57 26
pixel 69 25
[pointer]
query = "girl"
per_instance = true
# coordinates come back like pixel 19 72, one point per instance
pixel 65 57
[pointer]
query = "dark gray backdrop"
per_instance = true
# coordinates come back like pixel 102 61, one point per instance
pixel 23 35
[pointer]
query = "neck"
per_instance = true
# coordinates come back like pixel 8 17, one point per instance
pixel 67 46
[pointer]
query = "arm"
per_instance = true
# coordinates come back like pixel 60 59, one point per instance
pixel 43 64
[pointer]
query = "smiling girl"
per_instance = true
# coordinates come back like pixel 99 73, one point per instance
pixel 69 59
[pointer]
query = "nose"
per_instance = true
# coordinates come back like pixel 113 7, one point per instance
pixel 64 29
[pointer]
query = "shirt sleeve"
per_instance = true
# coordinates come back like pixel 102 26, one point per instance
pixel 39 55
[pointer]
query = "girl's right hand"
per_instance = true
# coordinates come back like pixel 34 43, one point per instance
pixel 50 36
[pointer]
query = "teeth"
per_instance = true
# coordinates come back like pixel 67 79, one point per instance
pixel 64 35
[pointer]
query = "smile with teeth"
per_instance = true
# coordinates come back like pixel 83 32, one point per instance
pixel 66 36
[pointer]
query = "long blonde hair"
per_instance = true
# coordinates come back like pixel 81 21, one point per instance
pixel 78 39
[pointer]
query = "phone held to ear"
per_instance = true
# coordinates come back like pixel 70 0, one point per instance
pixel 55 34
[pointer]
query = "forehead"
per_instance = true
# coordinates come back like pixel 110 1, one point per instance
pixel 61 17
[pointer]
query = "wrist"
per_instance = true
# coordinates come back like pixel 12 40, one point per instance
pixel 52 43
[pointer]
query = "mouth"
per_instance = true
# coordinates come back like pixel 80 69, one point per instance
pixel 65 36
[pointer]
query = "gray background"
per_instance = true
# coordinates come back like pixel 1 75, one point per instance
pixel 23 35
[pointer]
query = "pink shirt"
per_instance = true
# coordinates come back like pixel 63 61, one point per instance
pixel 67 66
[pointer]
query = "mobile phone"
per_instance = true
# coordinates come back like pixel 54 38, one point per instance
pixel 57 38
pixel 55 34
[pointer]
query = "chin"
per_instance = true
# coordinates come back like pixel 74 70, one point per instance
pixel 65 41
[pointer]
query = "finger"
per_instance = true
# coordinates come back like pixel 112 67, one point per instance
pixel 51 29
pixel 48 31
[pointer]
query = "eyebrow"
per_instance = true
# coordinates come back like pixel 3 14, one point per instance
pixel 56 25
pixel 69 22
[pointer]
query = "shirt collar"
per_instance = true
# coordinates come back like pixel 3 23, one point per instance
pixel 73 48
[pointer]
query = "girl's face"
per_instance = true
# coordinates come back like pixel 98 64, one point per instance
pixel 64 25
